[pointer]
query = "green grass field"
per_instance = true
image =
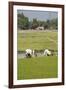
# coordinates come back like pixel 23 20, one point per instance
pixel 37 67
pixel 37 40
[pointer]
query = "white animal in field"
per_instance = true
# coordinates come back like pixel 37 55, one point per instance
pixel 47 52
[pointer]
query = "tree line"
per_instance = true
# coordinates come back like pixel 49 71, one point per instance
pixel 24 23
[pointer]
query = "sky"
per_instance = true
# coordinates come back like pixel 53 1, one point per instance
pixel 39 15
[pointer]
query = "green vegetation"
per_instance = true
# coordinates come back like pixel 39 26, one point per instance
pixel 29 36
pixel 24 23
pixel 37 68
pixel 37 40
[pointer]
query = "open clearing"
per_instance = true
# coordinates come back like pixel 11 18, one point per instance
pixel 37 67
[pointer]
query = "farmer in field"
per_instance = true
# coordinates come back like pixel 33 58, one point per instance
pixel 28 53
pixel 34 53
pixel 47 52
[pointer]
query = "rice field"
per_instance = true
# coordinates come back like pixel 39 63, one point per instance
pixel 37 67
pixel 37 39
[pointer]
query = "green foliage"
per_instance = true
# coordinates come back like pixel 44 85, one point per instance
pixel 34 24
pixel 23 22
pixel 54 24
pixel 51 24
pixel 41 23
pixel 47 24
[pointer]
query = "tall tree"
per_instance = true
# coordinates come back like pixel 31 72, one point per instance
pixel 23 22
pixel 34 23
pixel 54 24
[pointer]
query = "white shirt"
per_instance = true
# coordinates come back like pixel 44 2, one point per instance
pixel 28 51
pixel 47 52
